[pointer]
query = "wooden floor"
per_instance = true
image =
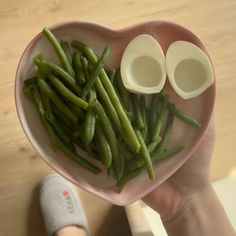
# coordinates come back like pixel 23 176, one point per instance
pixel 21 169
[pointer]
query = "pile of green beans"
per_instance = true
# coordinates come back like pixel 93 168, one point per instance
pixel 84 105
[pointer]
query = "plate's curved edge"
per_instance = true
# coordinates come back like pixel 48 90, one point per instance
pixel 38 149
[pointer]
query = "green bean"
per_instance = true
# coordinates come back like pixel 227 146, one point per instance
pixel 27 89
pixel 166 134
pixel 92 95
pixel 109 107
pixel 137 111
pixel 167 153
pixel 131 139
pixel 136 164
pixel 154 110
pixel 80 77
pixel 92 153
pixel 60 115
pixel 80 46
pixel 112 112
pixel 107 70
pixel 81 161
pixel 143 107
pixel 124 94
pixel 96 71
pixel 112 75
pixel 38 101
pixel 139 163
pixel 76 110
pixel 185 117
pixel 144 154
pixel 125 152
pixel 103 146
pixel 62 120
pixel 65 92
pixel 109 132
pixel 149 129
pixel 31 80
pixel 78 134
pixel 144 116
pixel 57 101
pixel 46 102
pixel 128 113
pixel 39 106
pixel 160 118
pixel 58 129
pixel 72 155
pixel 66 49
pixel 126 178
pixel 56 141
pixel 78 141
pixel 58 49
pixel 68 129
pixel 51 119
pixel 152 146
pixel 157 157
pixel 111 172
pixel 45 65
pixel 89 124
pixel 85 66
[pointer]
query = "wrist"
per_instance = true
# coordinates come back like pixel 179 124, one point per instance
pixel 199 213
pixel 186 206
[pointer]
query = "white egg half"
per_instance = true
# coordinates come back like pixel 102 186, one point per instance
pixel 189 70
pixel 143 65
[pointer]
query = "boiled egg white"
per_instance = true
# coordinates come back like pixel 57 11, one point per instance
pixel 189 70
pixel 143 65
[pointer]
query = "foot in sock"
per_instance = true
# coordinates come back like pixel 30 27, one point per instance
pixel 61 207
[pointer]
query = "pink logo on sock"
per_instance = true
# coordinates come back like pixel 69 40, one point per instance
pixel 65 193
pixel 68 199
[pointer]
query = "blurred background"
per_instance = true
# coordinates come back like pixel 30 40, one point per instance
pixel 21 169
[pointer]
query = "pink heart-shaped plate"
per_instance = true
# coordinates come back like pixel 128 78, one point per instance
pixel 97 37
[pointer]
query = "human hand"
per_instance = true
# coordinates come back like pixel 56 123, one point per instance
pixel 192 177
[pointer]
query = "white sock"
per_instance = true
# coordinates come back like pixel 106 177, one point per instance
pixel 60 204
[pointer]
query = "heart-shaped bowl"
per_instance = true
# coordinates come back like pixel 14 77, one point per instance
pixel 97 37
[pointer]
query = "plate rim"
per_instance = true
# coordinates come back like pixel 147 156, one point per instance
pixel 120 201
